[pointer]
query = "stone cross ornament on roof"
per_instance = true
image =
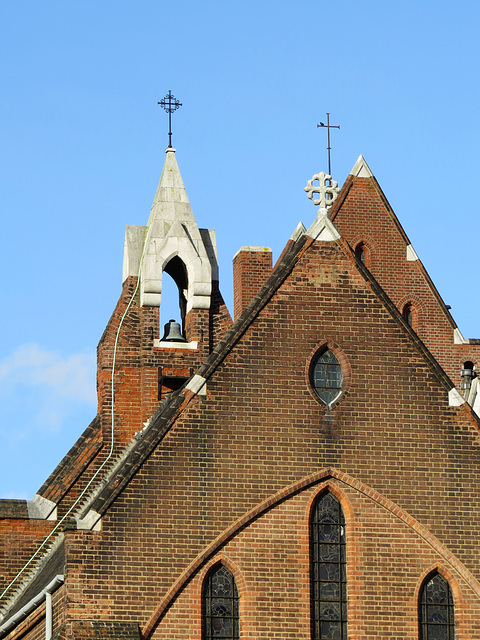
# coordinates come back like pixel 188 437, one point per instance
pixel 322 190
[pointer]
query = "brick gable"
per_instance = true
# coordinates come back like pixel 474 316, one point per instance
pixel 363 214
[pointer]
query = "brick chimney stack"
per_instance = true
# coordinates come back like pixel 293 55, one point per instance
pixel 251 268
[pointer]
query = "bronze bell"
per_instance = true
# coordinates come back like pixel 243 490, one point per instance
pixel 172 332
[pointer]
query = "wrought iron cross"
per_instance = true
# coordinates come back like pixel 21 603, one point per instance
pixel 170 104
pixel 328 126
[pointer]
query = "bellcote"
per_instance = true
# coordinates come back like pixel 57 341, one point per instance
pixel 172 242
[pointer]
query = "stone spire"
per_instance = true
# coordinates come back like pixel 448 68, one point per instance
pixel 171 201
pixel 172 241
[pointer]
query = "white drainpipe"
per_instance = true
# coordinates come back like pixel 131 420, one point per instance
pixel 48 616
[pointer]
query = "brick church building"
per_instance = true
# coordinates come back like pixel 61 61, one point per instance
pixel 305 471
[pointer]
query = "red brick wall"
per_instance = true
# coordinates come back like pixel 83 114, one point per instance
pixel 138 366
pixel 138 361
pixel 19 539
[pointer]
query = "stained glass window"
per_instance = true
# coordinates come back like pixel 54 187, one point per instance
pixel 327 377
pixel 220 605
pixel 328 570
pixel 436 610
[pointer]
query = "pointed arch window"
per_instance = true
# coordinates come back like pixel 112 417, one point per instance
pixel 220 605
pixel 328 560
pixel 436 613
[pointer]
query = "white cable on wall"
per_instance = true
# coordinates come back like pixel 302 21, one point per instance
pixel 112 431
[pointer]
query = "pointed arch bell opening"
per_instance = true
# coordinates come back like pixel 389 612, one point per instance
pixel 173 304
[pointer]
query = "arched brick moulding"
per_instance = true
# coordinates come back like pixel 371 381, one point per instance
pixel 332 487
pixel 231 566
pixel 371 247
pixel 449 577
pixel 449 560
pixel 418 309
pixel 467 357
pixel 418 304
pixel 344 363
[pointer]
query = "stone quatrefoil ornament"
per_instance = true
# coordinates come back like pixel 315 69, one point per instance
pixel 324 192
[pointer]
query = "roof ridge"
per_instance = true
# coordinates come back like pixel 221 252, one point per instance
pixel 86 440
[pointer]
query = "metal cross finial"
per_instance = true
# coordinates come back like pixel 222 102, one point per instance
pixel 328 126
pixel 170 104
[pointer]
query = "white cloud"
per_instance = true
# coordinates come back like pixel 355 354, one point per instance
pixel 16 495
pixel 50 385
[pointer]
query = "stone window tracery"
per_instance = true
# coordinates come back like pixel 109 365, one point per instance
pixel 436 612
pixel 220 605
pixel 328 570
pixel 327 376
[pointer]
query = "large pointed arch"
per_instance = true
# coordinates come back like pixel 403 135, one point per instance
pixel 325 474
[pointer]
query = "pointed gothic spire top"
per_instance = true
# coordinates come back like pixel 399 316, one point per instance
pixel 172 234
pixel 171 201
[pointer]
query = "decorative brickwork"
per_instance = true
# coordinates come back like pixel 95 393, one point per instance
pixel 94 630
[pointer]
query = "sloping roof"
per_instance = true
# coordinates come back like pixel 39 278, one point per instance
pixel 74 463
pixel 51 566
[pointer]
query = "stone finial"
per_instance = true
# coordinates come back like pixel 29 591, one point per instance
pixel 318 192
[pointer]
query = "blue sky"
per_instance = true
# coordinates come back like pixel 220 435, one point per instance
pixel 83 146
